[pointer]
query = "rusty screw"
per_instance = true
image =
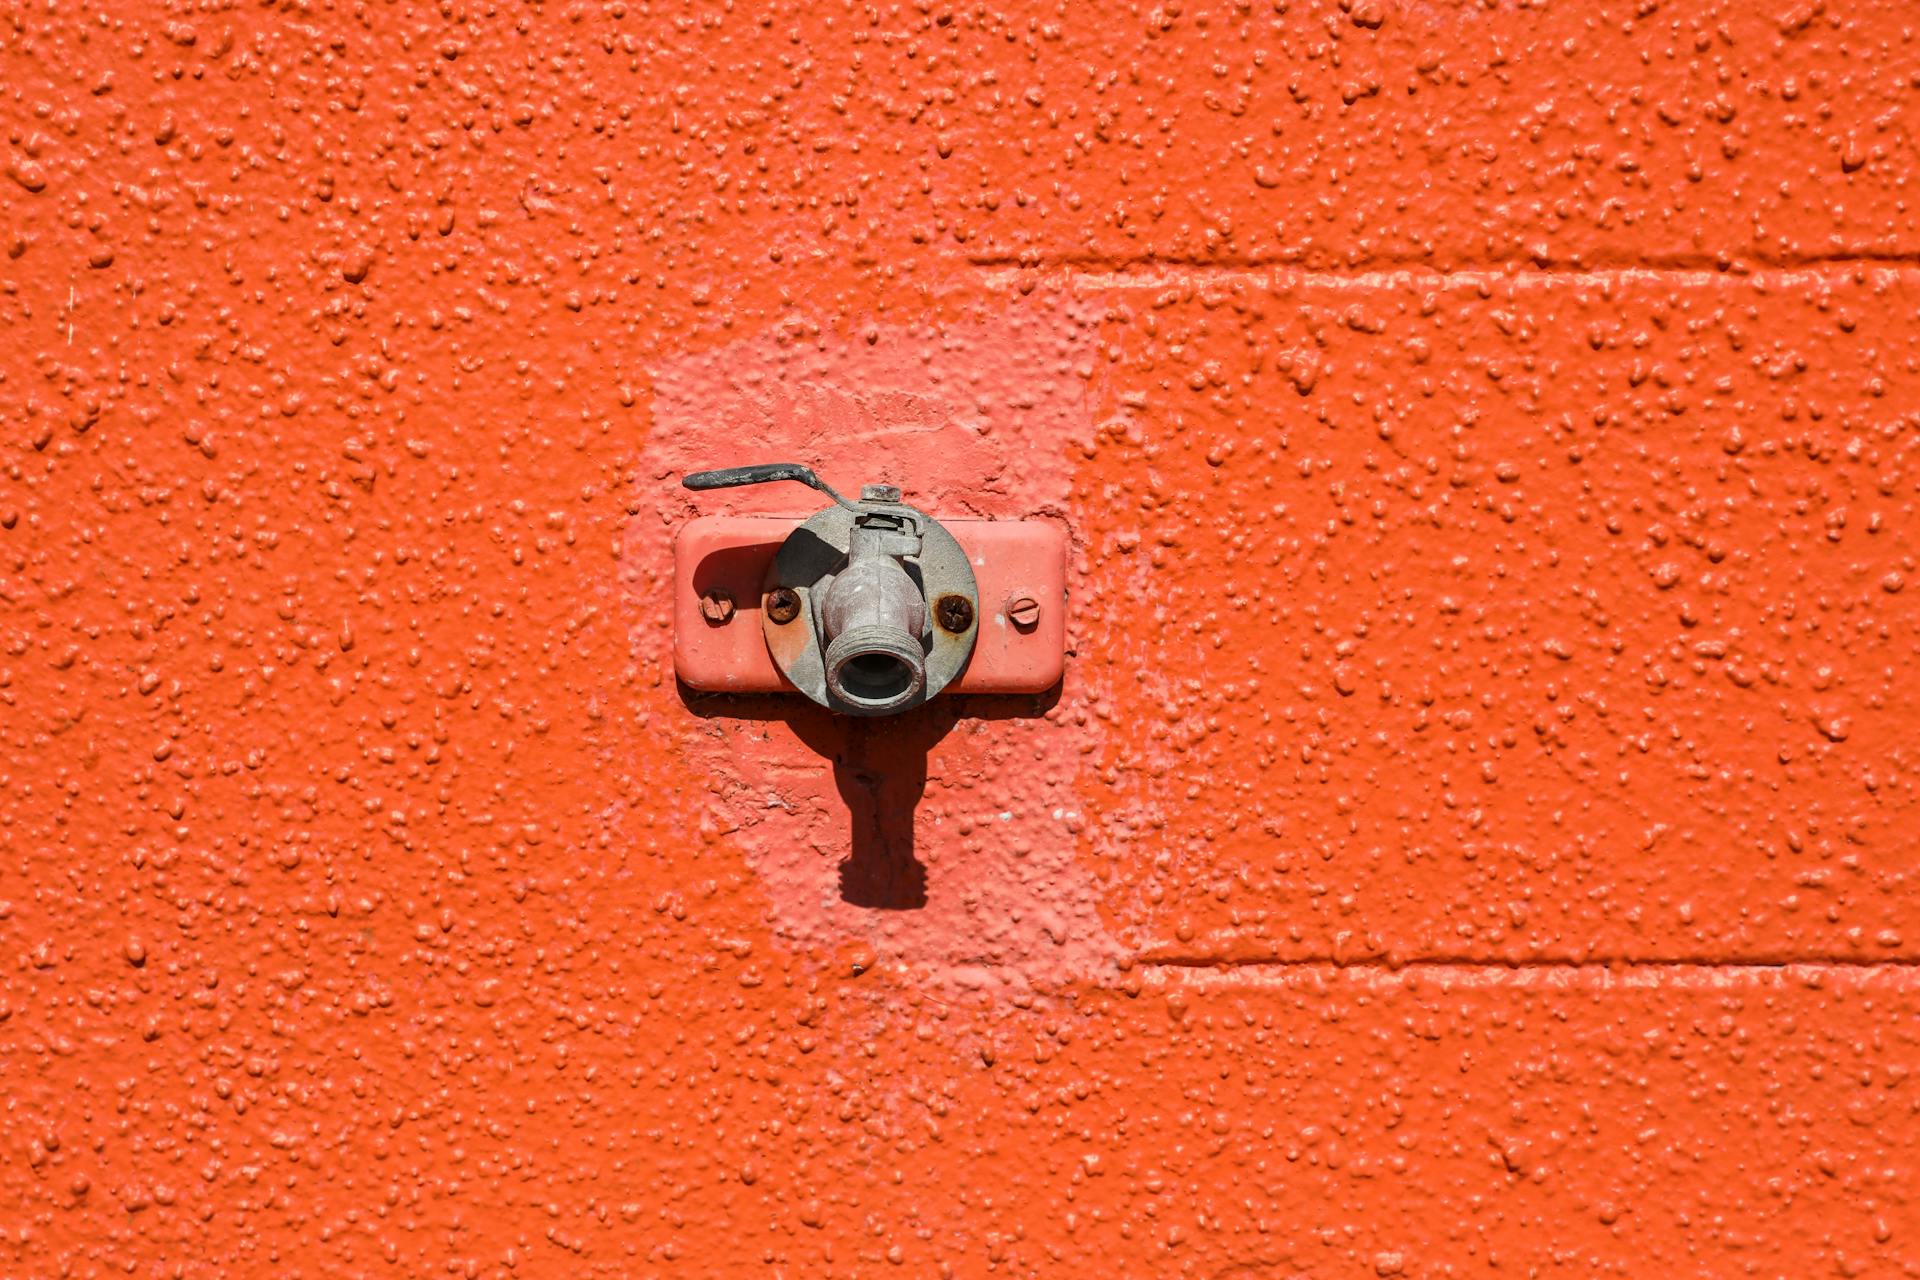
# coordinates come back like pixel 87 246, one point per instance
pixel 955 613
pixel 783 605
pixel 716 606
pixel 1024 613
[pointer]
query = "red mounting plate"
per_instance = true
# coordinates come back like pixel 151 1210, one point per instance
pixel 1011 559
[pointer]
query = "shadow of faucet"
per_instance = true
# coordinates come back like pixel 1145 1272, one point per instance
pixel 880 770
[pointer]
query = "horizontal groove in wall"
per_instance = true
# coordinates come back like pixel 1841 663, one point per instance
pixel 1679 974
pixel 1164 272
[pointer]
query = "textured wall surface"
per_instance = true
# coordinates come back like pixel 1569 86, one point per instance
pixel 1476 832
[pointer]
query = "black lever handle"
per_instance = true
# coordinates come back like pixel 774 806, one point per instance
pixel 731 477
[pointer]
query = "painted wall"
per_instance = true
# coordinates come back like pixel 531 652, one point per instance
pixel 1476 831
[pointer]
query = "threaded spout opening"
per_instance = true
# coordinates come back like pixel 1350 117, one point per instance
pixel 875 669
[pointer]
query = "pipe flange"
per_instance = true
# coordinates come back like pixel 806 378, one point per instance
pixel 876 680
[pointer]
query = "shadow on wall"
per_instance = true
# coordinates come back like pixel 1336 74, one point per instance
pixel 880 769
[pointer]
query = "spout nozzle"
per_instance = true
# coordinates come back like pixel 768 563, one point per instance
pixel 875 670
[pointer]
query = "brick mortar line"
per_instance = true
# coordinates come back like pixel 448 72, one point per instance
pixel 1164 273
pixel 1688 973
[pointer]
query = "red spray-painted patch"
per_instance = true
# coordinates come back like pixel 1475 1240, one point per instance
pixel 893 834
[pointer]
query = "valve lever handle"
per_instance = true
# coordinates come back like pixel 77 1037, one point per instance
pixel 732 477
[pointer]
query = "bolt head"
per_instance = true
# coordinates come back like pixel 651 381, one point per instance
pixel 1024 613
pixel 879 493
pixel 716 606
pixel 783 605
pixel 954 613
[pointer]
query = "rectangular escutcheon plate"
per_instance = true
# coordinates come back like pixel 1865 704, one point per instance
pixel 1012 560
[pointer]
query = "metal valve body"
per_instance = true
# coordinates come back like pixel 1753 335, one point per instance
pixel 850 620
pixel 874 617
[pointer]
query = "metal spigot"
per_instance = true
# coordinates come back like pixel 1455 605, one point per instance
pixel 865 639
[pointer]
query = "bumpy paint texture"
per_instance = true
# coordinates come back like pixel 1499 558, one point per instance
pixel 1476 832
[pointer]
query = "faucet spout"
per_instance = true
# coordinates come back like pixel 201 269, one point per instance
pixel 874 618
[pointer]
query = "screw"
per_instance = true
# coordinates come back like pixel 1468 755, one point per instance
pixel 716 606
pixel 783 605
pixel 1024 613
pixel 955 613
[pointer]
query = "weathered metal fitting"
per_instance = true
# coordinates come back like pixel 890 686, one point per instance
pixel 874 617
pixel 875 671
pixel 1018 627
pixel 862 639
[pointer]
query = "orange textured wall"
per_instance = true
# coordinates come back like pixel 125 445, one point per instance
pixel 1476 831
